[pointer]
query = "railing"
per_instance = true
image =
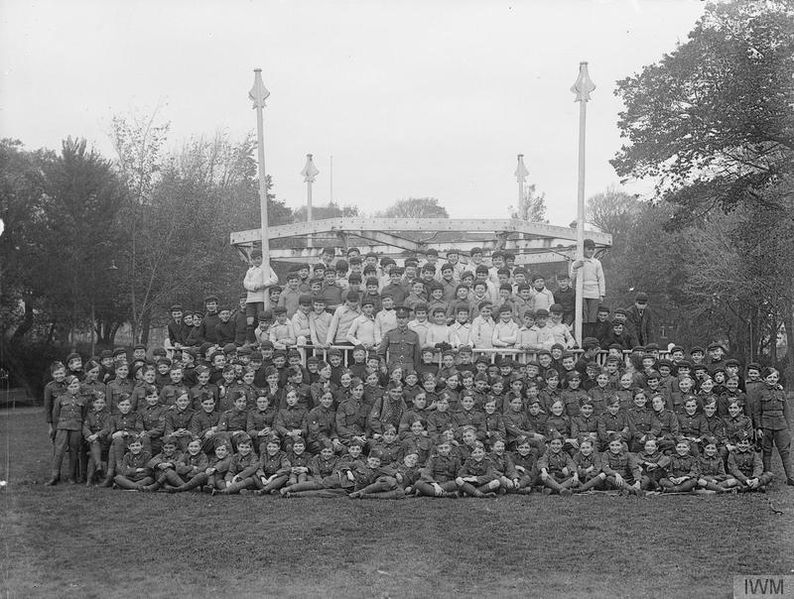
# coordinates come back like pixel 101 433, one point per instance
pixel 520 355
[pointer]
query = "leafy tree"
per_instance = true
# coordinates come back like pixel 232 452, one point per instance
pixel 712 120
pixel 62 214
pixel 415 208
pixel 328 211
pixel 533 208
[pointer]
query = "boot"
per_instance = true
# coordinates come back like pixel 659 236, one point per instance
pixel 553 485
pixel 234 488
pixel 90 473
pixel 469 489
pixel 126 484
pixel 714 487
pixel 191 484
pixel 590 484
pixel 53 481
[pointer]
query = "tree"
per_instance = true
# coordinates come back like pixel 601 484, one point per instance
pixel 712 120
pixel 415 208
pixel 712 123
pixel 330 210
pixel 82 202
pixel 62 213
pixel 533 208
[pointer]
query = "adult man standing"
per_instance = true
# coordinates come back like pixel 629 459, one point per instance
pixel 639 320
pixel 401 343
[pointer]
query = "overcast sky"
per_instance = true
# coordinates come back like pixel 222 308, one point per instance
pixel 412 99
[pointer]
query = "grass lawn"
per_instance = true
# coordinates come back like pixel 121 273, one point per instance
pixel 70 541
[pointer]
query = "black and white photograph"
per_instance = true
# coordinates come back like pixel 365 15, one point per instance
pixel 390 299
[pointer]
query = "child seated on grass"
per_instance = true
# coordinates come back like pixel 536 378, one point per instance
pixel 134 470
pixel 712 469
pixel 682 473
pixel 556 468
pixel 477 476
pixel 653 463
pixel 621 468
pixel 746 466
pixel 588 474
pixel 242 468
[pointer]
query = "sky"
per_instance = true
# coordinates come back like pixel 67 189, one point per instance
pixel 411 98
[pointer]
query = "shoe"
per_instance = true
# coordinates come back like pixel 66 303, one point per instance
pixel 214 491
pixel 525 491
pixel 245 491
pixel 790 482
pixel 283 492
pixel 762 489
pixel 640 493
pixel 546 491
pixel 502 491
pixel 566 492
pixel 490 495
pixel 287 495
pixel 274 491
pixel 108 482
pixel 206 489
pixel 52 482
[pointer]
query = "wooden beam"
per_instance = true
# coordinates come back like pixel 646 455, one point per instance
pixel 427 225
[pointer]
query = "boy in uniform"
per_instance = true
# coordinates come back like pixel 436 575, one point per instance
pixel 124 426
pixel 621 468
pixel 68 413
pixel 746 466
pixel 96 431
pixel 134 471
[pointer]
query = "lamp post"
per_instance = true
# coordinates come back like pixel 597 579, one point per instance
pixel 309 173
pixel 258 95
pixel 521 176
pixel 582 89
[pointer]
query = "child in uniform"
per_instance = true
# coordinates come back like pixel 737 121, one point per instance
pixel 241 476
pixel 712 469
pixel 191 469
pixel 622 470
pixel 477 476
pixel 96 433
pixel 437 478
pixel 163 466
pixel 124 426
pixel 525 462
pixel 134 471
pixel 274 468
pixel 653 463
pixel 682 473
pixel 746 466
pixel 556 468
pixel 68 413
pixel 588 473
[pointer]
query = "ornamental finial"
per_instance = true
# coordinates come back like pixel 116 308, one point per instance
pixel 584 86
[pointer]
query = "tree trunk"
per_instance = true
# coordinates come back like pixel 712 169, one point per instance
pixel 788 322
pixel 146 323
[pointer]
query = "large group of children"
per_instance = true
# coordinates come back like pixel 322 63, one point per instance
pixel 330 387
